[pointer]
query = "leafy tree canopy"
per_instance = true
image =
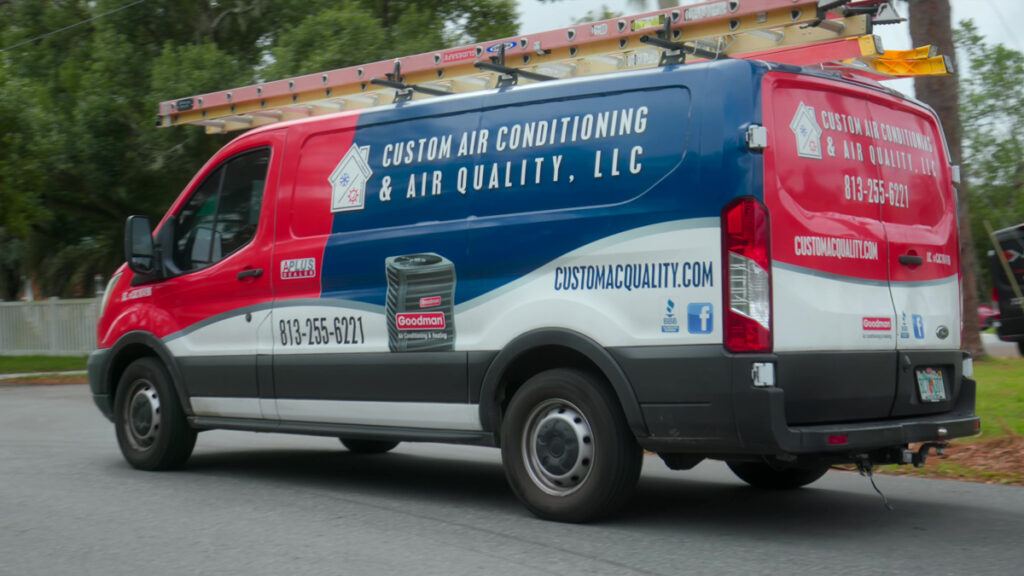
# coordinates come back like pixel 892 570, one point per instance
pixel 80 81
pixel 992 109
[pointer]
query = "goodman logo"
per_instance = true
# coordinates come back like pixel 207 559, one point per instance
pixel 876 324
pixel 420 320
pixel 430 301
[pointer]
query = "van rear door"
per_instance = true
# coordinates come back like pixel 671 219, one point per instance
pixel 863 236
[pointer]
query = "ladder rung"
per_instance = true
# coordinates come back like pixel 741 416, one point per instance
pixel 834 50
pixel 936 66
pixel 912 54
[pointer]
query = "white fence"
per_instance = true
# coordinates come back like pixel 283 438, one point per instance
pixel 48 327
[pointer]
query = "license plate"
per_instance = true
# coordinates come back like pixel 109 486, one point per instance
pixel 931 385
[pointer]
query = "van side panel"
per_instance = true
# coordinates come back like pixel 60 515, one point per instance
pixel 458 225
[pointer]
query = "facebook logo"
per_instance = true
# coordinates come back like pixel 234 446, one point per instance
pixel 700 317
pixel 918 326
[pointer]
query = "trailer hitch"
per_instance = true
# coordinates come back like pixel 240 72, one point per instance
pixel 919 457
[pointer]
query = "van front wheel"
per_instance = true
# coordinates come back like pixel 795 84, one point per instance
pixel 152 430
pixel 567 450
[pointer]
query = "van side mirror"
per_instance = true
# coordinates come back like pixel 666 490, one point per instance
pixel 138 245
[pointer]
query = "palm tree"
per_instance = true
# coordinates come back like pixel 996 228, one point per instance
pixel 930 23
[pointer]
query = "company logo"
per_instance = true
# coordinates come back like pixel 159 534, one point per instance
pixel 420 320
pixel 670 324
pixel 137 293
pixel 298 268
pixel 876 324
pixel 918 326
pixel 430 301
pixel 904 327
pixel 706 11
pixel 493 49
pixel 808 133
pixel 458 55
pixel 348 181
pixel 700 317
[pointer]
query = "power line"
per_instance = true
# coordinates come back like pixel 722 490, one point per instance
pixel 75 25
pixel 1003 22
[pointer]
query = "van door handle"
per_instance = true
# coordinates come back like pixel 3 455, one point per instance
pixel 250 273
pixel 910 260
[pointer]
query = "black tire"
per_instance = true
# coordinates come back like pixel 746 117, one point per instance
pixel 360 446
pixel 151 427
pixel 764 476
pixel 1020 347
pixel 567 450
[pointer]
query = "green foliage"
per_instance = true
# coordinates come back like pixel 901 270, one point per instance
pixel 332 38
pixel 20 364
pixel 595 15
pixel 1001 396
pixel 992 110
pixel 78 148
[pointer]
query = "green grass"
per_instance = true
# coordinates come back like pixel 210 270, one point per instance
pixel 16 364
pixel 1000 395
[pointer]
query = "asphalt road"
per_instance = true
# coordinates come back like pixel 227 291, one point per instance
pixel 269 504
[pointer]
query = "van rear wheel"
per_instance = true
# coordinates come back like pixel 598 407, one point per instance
pixel 567 450
pixel 360 446
pixel 763 475
pixel 151 427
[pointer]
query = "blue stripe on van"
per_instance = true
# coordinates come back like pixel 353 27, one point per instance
pixel 686 150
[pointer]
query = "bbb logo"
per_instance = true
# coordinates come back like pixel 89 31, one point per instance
pixel 918 326
pixel 700 317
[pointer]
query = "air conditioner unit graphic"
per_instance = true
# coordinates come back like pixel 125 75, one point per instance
pixel 420 303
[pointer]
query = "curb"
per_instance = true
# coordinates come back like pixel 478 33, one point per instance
pixel 33 375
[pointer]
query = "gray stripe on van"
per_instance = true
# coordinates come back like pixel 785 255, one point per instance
pixel 862 281
pixel 322 302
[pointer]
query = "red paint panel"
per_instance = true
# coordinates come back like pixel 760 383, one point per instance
pixel 304 207
pixel 171 305
pixel 854 178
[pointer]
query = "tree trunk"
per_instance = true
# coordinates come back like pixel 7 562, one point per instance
pixel 931 23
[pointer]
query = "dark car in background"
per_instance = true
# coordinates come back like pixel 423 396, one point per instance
pixel 1007 267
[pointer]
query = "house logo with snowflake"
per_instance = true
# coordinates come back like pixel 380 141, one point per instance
pixel 808 133
pixel 349 179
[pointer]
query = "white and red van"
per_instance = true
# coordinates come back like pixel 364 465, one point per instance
pixel 730 260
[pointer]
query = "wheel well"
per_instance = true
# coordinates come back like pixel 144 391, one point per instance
pixel 124 358
pixel 533 362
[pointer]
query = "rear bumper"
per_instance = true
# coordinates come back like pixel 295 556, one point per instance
pixel 762 425
pixel 700 400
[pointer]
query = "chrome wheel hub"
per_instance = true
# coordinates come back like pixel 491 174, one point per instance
pixel 142 415
pixel 558 447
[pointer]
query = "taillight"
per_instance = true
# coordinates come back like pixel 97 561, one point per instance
pixel 747 286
